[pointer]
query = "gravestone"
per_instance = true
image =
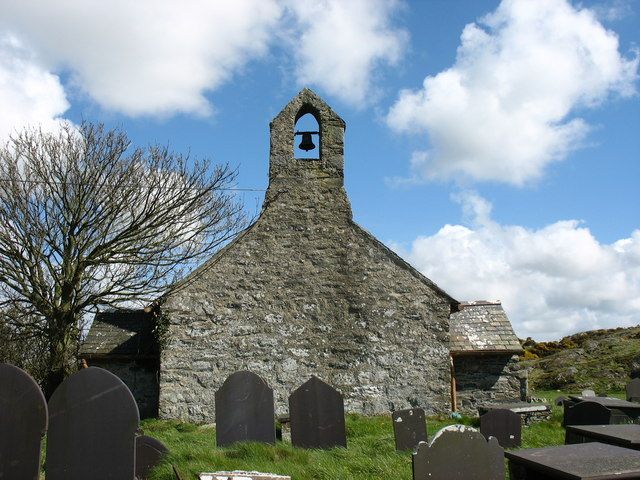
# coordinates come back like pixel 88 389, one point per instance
pixel 177 473
pixel 317 416
pixel 633 390
pixel 504 425
pixel 586 413
pixel 149 453
pixel 23 423
pixel 588 393
pixel 244 410
pixel 409 428
pixel 459 453
pixel 93 419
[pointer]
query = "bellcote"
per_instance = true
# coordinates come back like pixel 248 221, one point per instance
pixel 330 161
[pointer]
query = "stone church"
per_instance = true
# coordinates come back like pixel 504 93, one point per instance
pixel 306 291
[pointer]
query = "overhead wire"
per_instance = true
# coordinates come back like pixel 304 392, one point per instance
pixel 87 184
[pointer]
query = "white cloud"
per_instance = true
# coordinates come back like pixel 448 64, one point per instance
pixel 28 93
pixel 338 44
pixel 504 110
pixel 153 57
pixel 552 281
pixel 160 57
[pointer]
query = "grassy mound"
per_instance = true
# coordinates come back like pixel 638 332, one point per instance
pixel 603 360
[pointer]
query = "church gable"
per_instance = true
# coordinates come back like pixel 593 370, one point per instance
pixel 305 291
pixel 309 193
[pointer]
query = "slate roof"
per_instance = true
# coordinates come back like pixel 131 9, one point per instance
pixel 125 333
pixel 482 327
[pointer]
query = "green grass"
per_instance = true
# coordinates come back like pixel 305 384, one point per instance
pixel 370 454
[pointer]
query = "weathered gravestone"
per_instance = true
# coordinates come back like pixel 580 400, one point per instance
pixel 586 413
pixel 177 474
pixel 633 390
pixel 93 419
pixel 149 453
pixel 317 416
pixel 409 428
pixel 504 425
pixel 244 410
pixel 459 453
pixel 588 393
pixel 23 422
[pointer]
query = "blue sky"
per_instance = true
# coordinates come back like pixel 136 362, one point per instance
pixel 492 144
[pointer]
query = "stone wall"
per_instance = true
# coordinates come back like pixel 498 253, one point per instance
pixel 142 379
pixel 305 291
pixel 485 378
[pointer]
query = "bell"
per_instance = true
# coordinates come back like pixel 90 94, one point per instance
pixel 307 143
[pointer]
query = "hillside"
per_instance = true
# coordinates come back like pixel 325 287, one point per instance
pixel 603 360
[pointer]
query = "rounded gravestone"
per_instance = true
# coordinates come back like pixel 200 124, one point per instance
pixel 587 413
pixel 244 410
pixel 93 419
pixel 149 454
pixel 23 423
pixel 316 410
pixel 504 425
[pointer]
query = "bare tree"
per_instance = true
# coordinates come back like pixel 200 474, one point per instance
pixel 22 347
pixel 87 221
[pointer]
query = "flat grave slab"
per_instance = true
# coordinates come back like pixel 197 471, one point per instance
pixel 585 461
pixel 409 428
pixel 516 407
pixel 609 402
pixel 242 475
pixel 529 412
pixel 627 436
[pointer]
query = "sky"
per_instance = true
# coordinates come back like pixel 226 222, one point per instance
pixel 495 145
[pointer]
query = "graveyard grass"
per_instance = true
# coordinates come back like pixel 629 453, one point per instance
pixel 370 452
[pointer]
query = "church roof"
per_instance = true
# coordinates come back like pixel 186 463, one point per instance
pixel 121 333
pixel 482 327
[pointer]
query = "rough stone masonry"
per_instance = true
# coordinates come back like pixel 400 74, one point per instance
pixel 306 291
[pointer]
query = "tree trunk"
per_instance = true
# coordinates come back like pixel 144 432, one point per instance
pixel 62 351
